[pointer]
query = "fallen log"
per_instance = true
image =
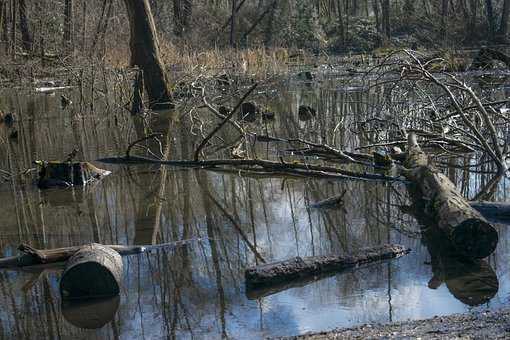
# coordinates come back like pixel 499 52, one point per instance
pixel 42 258
pixel 94 271
pixel 468 231
pixel 300 267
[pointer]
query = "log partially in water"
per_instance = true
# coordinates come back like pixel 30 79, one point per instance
pixel 43 258
pixel 94 271
pixel 467 230
pixel 299 267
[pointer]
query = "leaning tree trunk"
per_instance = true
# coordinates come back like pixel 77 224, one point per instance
pixel 145 52
pixel 93 271
pixel 468 232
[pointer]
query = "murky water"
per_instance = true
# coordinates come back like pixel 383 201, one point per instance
pixel 199 291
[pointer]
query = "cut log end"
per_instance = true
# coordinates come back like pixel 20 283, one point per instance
pixel 92 272
pixel 475 238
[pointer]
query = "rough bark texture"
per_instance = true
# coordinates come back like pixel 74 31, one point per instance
pixel 470 233
pixel 26 36
pixel 93 271
pixel 145 52
pixel 300 267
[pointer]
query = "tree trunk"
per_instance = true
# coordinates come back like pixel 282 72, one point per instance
pixel 469 233
pixel 94 271
pixel 503 26
pixel 444 18
pixel 232 24
pixel 68 24
pixel 182 12
pixel 26 36
pixel 145 52
pixel 490 18
pixel 386 18
pixel 299 268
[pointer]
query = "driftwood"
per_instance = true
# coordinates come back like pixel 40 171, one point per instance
pixel 94 271
pixel 468 231
pixel 44 258
pixel 301 267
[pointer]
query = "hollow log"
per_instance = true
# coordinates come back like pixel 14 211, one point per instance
pixel 301 267
pixel 467 230
pixel 94 271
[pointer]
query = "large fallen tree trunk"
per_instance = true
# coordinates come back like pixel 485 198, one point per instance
pixel 300 267
pixel 94 271
pixel 470 233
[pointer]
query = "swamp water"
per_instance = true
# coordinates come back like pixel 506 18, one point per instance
pixel 199 291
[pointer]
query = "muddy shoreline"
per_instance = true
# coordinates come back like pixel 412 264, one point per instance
pixel 479 325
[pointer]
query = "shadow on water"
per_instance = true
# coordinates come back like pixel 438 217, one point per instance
pixel 198 291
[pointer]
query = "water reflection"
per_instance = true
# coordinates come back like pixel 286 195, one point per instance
pixel 91 314
pixel 473 282
pixel 198 291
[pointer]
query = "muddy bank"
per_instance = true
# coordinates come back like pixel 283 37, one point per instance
pixel 481 325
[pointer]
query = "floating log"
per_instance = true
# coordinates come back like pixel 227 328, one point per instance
pixel 301 267
pixel 94 271
pixel 468 231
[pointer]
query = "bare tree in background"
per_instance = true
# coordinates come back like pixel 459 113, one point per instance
pixel 26 36
pixel 503 26
pixel 145 51
pixel 182 12
pixel 68 24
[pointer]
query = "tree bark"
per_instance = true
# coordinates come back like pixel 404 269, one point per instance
pixel 490 18
pixel 94 271
pixel 469 233
pixel 68 24
pixel 145 52
pixel 503 26
pixel 26 36
pixel 299 268
pixel 386 18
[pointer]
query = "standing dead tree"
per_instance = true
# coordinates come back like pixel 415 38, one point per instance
pixel 145 52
